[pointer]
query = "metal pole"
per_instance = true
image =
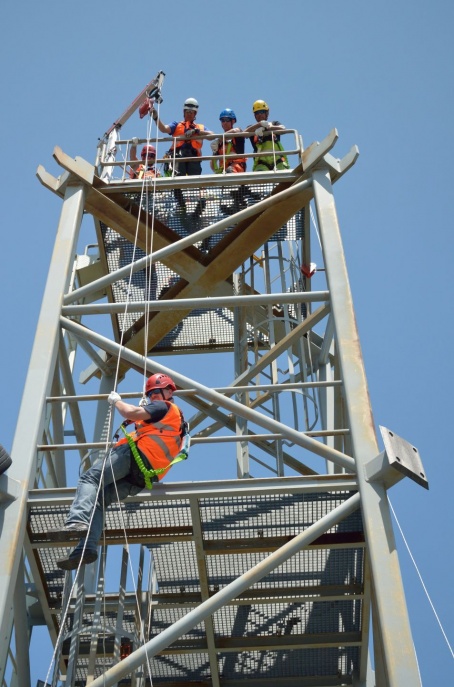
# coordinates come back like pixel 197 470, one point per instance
pixel 245 300
pixel 31 415
pixel 231 591
pixel 400 665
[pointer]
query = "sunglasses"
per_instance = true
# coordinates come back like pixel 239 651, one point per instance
pixel 261 112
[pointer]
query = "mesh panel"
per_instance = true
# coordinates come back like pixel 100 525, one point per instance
pixel 186 212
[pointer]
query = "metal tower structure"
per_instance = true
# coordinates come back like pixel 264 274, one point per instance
pixel 285 573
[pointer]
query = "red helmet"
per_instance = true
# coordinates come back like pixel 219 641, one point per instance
pixel 159 381
pixel 148 151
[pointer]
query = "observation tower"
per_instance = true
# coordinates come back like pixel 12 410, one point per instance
pixel 282 571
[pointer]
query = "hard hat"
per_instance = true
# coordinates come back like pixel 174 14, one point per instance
pixel 191 104
pixel 228 113
pixel 148 151
pixel 159 381
pixel 260 105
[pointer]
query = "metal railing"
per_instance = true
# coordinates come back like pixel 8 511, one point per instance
pixel 107 162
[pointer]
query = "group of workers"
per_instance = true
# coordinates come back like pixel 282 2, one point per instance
pixel 189 134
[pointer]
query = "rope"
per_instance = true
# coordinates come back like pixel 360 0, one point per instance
pixel 108 448
pixel 148 249
pixel 66 609
pixel 421 580
pixel 148 280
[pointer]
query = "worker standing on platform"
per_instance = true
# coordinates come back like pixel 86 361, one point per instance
pixel 266 140
pixel 187 146
pixel 228 146
pixel 147 169
pixel 134 463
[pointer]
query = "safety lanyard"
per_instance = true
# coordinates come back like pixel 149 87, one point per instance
pixel 148 474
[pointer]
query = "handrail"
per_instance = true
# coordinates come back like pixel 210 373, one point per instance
pixel 199 158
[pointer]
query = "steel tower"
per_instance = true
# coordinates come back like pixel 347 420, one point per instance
pixel 283 574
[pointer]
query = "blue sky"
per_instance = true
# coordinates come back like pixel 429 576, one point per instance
pixel 382 74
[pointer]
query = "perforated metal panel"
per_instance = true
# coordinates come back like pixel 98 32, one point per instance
pixel 303 619
pixel 186 212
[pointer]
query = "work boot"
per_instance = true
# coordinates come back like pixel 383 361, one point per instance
pixel 179 197
pixel 74 530
pixel 72 562
pixel 199 208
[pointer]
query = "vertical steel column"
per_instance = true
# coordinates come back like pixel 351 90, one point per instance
pixel 30 423
pixel 400 666
pixel 240 363
pixel 22 629
pixel 326 394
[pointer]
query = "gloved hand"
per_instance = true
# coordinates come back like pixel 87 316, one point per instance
pixel 113 398
pixel 134 141
pixel 191 132
pixel 265 124
pixel 214 145
pixel 259 131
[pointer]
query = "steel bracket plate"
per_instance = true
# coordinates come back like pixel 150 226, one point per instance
pixel 399 459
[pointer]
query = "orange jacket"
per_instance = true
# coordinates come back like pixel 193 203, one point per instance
pixel 159 441
pixel 181 129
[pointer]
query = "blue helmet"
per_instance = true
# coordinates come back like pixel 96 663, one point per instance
pixel 228 113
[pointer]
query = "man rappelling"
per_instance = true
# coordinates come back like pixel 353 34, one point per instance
pixel 135 462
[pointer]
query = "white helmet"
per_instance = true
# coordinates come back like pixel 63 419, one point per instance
pixel 191 104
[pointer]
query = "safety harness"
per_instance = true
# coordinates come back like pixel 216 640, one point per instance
pixel 147 473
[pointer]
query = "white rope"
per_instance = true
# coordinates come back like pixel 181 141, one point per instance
pixel 70 595
pixel 144 190
pixel 108 442
pixel 315 225
pixel 149 250
pixel 421 580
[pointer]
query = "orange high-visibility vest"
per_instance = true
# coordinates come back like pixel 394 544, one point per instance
pixel 159 441
pixel 181 129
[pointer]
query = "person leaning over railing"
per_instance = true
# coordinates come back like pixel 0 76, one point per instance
pixel 265 140
pixel 187 146
pixel 228 146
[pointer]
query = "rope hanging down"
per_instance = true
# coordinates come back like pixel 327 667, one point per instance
pixel 185 445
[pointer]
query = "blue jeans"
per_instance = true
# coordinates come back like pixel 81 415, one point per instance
pixel 117 469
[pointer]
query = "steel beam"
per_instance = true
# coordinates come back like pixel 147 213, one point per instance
pixel 30 423
pixel 400 665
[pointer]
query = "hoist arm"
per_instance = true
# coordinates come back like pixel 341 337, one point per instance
pixel 151 90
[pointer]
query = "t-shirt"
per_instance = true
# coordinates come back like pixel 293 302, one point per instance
pixel 157 410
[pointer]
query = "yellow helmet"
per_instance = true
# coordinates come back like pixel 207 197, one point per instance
pixel 260 105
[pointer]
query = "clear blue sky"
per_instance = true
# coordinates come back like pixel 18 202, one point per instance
pixel 382 74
